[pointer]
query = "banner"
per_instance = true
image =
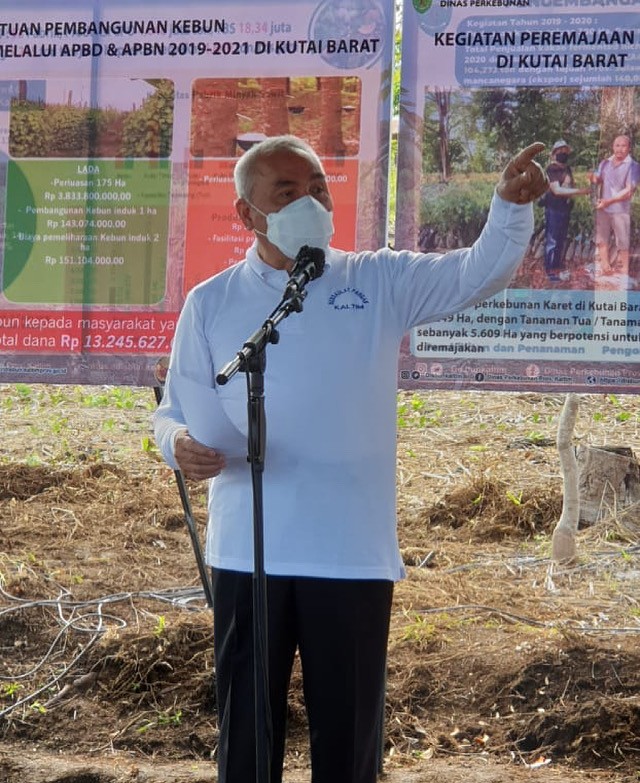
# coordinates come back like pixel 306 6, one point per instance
pixel 120 124
pixel 481 80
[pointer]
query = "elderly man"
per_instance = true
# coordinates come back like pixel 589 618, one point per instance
pixel 331 550
pixel 618 177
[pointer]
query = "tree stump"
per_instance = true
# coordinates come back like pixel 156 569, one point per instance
pixel 608 483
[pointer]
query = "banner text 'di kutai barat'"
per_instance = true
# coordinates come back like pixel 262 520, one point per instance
pixel 480 81
pixel 120 124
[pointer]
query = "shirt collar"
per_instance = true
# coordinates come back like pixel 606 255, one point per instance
pixel 275 278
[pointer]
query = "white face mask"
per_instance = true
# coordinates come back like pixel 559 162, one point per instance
pixel 302 222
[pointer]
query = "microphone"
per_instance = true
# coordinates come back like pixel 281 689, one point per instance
pixel 309 265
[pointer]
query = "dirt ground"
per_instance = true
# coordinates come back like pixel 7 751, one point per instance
pixel 501 666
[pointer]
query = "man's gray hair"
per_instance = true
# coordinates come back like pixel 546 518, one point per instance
pixel 245 168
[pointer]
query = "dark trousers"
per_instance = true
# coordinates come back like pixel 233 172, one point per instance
pixel 341 629
pixel 556 227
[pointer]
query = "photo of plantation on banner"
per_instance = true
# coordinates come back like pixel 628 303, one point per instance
pixel 479 82
pixel 120 124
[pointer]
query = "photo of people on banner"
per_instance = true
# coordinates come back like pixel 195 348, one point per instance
pixel 587 226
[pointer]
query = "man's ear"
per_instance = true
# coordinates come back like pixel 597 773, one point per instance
pixel 244 213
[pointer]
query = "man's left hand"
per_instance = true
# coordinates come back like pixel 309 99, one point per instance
pixel 523 180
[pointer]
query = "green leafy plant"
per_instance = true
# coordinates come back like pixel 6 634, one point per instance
pixel 147 132
pixel 23 391
pixel 421 628
pixel 148 445
pixel 167 718
pixel 515 498
pixel 10 689
pixel 414 412
pixel 58 423
pixel 464 205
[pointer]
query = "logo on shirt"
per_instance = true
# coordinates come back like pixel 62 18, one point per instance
pixel 348 299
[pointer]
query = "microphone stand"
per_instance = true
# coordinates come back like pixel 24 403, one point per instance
pixel 251 359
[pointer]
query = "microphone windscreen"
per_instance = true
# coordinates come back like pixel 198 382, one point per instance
pixel 311 258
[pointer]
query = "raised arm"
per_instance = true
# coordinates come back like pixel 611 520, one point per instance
pixel 523 180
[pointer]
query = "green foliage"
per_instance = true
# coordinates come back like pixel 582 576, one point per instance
pixel 421 628
pixel 27 136
pixel 39 130
pixel 122 397
pixel 149 446
pixel 166 718
pixel 23 391
pixel 58 130
pixel 515 497
pixel 463 204
pixel 148 131
pixel 10 689
pixel 397 70
pixel 619 412
pixel 414 412
pixel 73 129
pixel 59 423
pixel 485 128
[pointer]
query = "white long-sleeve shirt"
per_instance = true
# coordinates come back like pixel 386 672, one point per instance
pixel 330 395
